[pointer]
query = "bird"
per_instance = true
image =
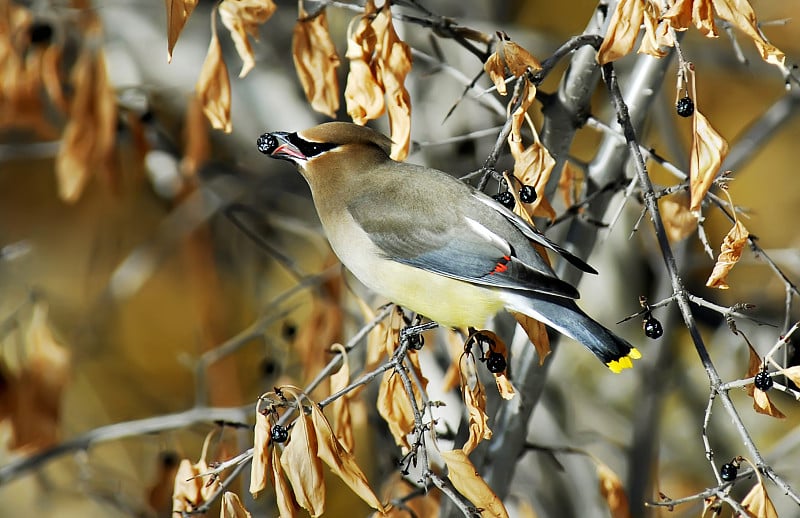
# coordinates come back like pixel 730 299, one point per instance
pixel 432 243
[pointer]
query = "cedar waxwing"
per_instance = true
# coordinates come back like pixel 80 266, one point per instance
pixel 431 243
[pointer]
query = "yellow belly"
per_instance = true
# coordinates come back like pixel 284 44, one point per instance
pixel 447 301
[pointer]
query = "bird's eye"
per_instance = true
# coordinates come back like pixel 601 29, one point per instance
pixel 310 149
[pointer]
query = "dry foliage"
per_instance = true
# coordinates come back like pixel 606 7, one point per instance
pixel 679 221
pixel 191 488
pixel 242 18
pixel 34 368
pixel 761 401
pixel 612 489
pixel 232 507
pixel 708 152
pixel 178 11
pixel 468 482
pixel 379 64
pixel 730 253
pixel 213 86
pixel 758 504
pixel 316 61
pixel 88 141
pixel 630 15
pixel 511 57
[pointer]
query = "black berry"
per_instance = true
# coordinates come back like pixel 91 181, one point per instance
pixel 41 33
pixel 763 381
pixel 506 199
pixel 279 433
pixel 652 327
pixel 527 194
pixel 685 106
pixel 495 362
pixel 728 472
pixel 416 341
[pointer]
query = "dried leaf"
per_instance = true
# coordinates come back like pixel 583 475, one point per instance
pixel 474 396
pixel 394 64
pixel 87 144
pixel 504 386
pixel 242 17
pixel 518 119
pixel 316 61
pixel 708 152
pixel 679 222
pixel 468 482
pixel 30 396
pixel 568 183
pixel 623 29
pixel 340 460
pixel 340 408
pixel 763 405
pixel 191 488
pixel 232 507
pixel 395 408
pixel 260 468
pixel 537 334
pixel 363 93
pixel 213 87
pixel 656 34
pixel 761 402
pixel 793 373
pixel 613 491
pixel 758 504
pixel 396 488
pixel 533 167
pixel 730 253
pixel 178 11
pixel 510 56
pixel 741 15
pixel 286 503
pixel 679 15
pixel 303 467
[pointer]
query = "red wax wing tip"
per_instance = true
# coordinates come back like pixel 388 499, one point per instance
pixel 502 265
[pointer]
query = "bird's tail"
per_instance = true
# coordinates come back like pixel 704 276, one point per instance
pixel 563 315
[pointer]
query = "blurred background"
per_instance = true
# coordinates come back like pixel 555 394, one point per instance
pixel 119 292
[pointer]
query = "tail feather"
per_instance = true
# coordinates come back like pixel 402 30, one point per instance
pixel 566 317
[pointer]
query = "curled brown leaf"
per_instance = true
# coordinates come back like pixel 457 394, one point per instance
pixel 232 507
pixel 302 465
pixel 341 462
pixel 242 18
pixel 178 11
pixel 89 139
pixel 468 482
pixel 393 65
pixel 761 401
pixel 363 93
pixel 316 61
pixel 510 56
pixel 708 152
pixel 612 489
pixel 730 253
pixel 679 222
pixel 213 86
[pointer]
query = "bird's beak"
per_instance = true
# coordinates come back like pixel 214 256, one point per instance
pixel 278 144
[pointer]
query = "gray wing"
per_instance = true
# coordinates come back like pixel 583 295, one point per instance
pixel 473 243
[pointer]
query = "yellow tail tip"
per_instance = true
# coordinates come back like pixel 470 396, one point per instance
pixel 625 362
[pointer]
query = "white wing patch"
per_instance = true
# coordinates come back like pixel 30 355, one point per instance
pixel 489 236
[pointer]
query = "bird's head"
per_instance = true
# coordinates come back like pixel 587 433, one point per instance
pixel 326 144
